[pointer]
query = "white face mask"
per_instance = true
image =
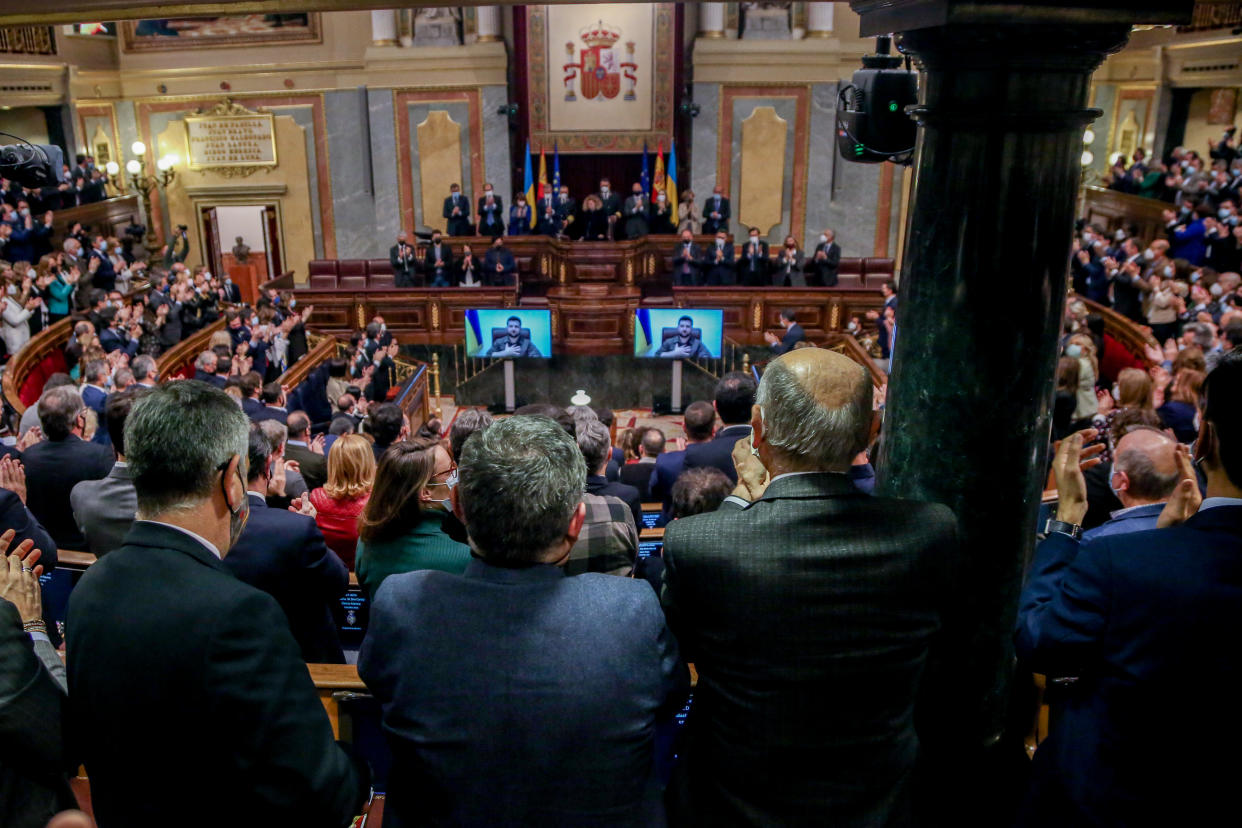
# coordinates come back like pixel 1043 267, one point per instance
pixel 487 193
pixel 660 198
pixel 754 239
pixel 720 242
pixel 823 239
pixel 11 290
pixel 1073 351
pixel 1216 290
pixel 1120 235
pixel 603 189
pixel 1223 212
pixel 1149 254
pixel 1168 271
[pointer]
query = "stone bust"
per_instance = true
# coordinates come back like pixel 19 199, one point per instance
pixel 241 251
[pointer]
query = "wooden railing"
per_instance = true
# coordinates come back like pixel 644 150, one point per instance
pixel 845 343
pixel 1112 210
pixel 110 216
pixel 322 348
pixel 38 359
pixel 1134 337
pixel 175 360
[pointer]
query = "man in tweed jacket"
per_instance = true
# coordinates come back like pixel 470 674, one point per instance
pixel 809 610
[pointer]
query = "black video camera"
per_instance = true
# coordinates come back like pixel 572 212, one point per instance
pixel 872 124
pixel 32 165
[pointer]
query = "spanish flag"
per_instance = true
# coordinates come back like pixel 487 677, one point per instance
pixel 543 175
pixel 657 180
pixel 670 183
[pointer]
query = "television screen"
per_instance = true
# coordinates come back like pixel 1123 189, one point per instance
pixel 678 333
pixel 508 333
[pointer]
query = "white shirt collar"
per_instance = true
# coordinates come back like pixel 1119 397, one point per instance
pixel 210 546
pixel 296 443
pixel 791 474
pixel 1213 502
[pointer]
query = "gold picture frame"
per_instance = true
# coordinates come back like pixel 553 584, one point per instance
pixel 221 32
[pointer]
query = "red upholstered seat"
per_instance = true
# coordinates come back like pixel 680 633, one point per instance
pixel 379 267
pixel 381 280
pixel 322 267
pixel 851 281
pixel 850 266
pixel 351 267
pixel 877 270
pixel 358 282
pixel 323 281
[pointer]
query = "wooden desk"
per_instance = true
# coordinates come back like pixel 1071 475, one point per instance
pixel 749 312
pixel 593 318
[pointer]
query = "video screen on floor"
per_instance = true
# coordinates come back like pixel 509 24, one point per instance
pixel 678 333
pixel 509 333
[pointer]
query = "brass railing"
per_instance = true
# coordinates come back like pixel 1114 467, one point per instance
pixel 27 40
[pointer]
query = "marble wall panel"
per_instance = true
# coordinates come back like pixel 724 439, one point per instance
pixel 352 202
pixel 496 159
pixel 384 164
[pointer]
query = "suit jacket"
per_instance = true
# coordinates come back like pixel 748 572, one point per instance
pixel 628 495
pixel 686 264
pixel 668 467
pixel 1137 519
pixel 211 379
pixel 825 270
pixel 752 267
pixel 809 616
pixel 429 263
pixel 710 224
pixel 14 515
pixel 458 225
pixel 271 412
pixel 53 468
pixel 314 466
pixel 104 509
pixel 722 272
pixel 788 274
pixel 224 709
pixel 1146 622
pixel 717 451
pixel 284 555
pixel 471 746
pixel 638 475
pixel 491 219
pixel 636 216
pixel 32 759
pixel 507 275
pixel 793 335
pixel 404 266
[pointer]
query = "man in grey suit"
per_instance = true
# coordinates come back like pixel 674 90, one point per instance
pixel 104 509
pixel 551 720
pixel 809 610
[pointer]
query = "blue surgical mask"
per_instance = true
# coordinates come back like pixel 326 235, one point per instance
pixel 1112 470
pixel 450 484
pixel 1073 351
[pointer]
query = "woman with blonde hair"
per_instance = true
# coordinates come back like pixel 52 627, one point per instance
pixel 402 526
pixel 1082 348
pixel 689 217
pixel 339 502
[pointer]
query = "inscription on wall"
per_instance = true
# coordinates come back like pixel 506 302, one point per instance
pixel 231 141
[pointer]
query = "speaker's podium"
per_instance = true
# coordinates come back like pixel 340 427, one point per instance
pixel 246 277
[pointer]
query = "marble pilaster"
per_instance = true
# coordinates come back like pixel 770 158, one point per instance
pixel 496 160
pixel 384 163
pixel 704 140
pixel 353 206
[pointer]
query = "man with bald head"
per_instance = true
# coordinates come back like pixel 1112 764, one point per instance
pixel 809 610
pixel 1143 476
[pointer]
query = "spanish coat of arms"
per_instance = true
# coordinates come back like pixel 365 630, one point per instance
pixel 599 66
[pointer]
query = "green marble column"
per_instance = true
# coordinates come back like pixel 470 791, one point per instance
pixel 1002 109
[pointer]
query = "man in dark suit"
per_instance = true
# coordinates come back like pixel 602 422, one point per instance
pixel 499 266
pixel 205 369
pixel 1146 622
pixel 388 425
pixel 33 787
pixel 825 261
pixel 404 260
pixel 699 420
pixel 718 261
pixel 752 266
pixel 14 514
pixel 610 205
pixel 735 395
pixel 809 610
pixel 793 333
pixel 686 261
pixel 55 465
pixel 101 265
pixel 716 212
pixel 104 509
pixel 566 207
pixel 273 399
pixel 596 447
pixel 438 262
pixel 457 213
pixel 466 754
pixel 251 385
pixel 639 474
pixel 229 715
pixel 491 213
pixel 635 211
pixel 312 464
pixel 284 554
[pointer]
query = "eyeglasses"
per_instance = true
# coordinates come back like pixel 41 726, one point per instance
pixel 449 481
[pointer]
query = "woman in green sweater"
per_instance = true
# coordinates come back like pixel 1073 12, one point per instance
pixel 401 527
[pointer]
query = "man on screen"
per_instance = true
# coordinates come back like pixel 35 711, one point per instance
pixel 685 345
pixel 514 344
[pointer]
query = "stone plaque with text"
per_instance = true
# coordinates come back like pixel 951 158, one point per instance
pixel 231 141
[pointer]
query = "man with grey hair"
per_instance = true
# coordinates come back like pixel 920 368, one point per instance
pixel 471 746
pixel 1143 476
pixel 809 610
pixel 146 372
pixel 226 702
pixel 205 369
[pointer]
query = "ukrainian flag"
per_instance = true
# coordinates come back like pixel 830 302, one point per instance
pixel 474 334
pixel 642 332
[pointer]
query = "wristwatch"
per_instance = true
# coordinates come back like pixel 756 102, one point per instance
pixel 1071 529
